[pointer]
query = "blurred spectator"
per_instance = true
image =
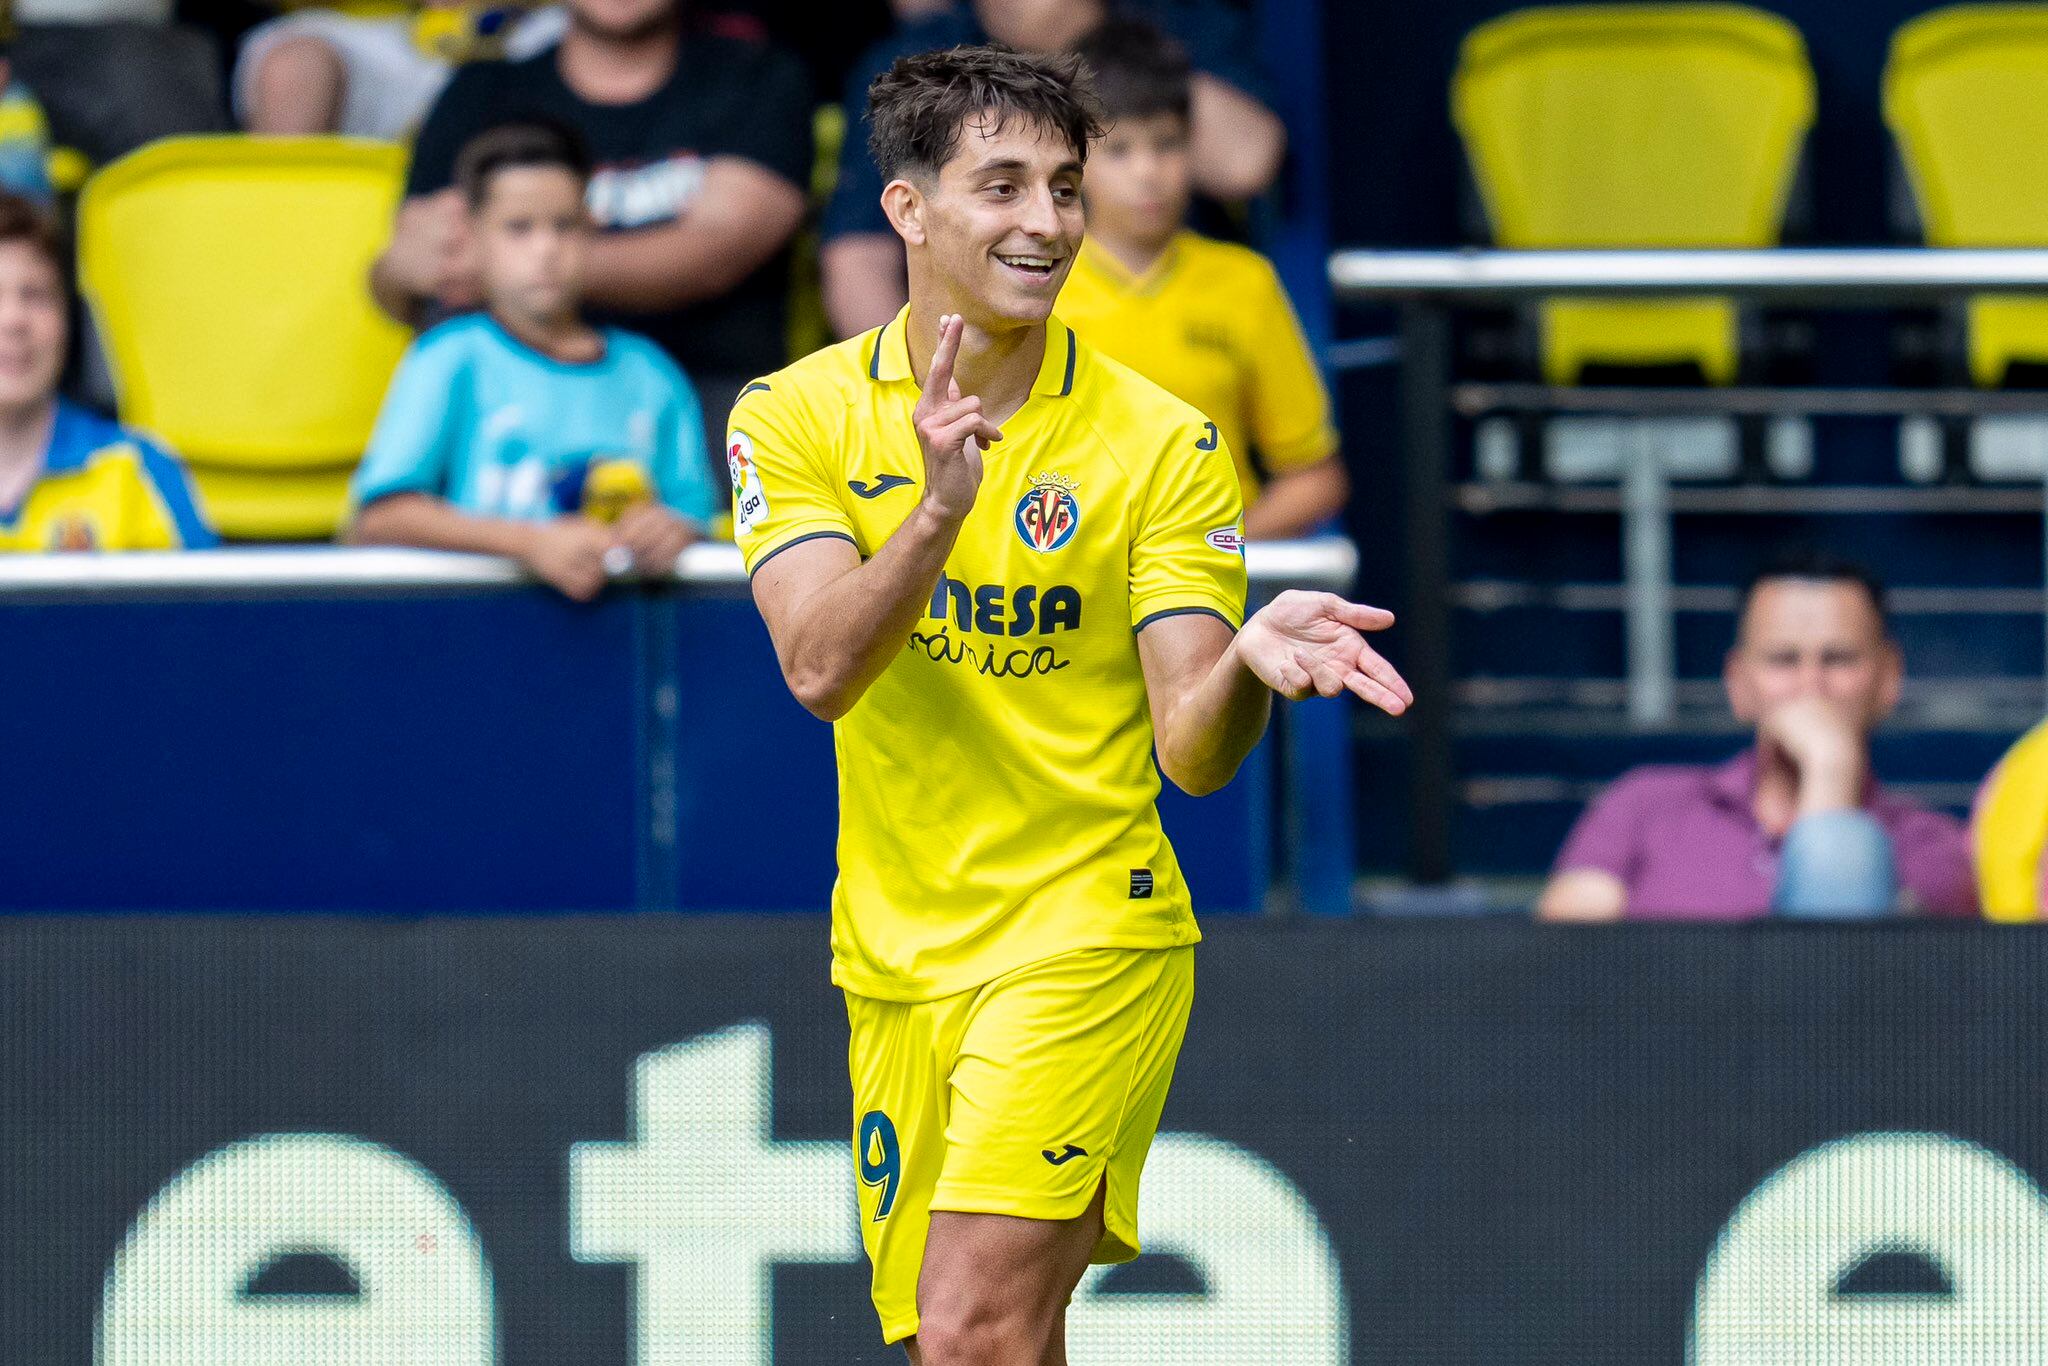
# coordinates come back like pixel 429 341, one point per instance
pixel 1796 825
pixel 69 478
pixel 1206 320
pixel 115 74
pixel 24 140
pixel 320 71
pixel 522 430
pixel 703 147
pixel 1235 141
pixel 2009 831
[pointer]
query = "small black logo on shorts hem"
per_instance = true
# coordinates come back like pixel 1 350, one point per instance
pixel 1072 1151
pixel 1141 884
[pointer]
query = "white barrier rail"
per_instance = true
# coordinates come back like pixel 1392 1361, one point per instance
pixel 1323 563
pixel 1892 273
pixel 1428 286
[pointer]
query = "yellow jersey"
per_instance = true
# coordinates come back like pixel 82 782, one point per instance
pixel 104 487
pixel 1209 322
pixel 996 783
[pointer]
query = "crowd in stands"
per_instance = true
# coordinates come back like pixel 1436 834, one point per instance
pixel 699 137
pixel 604 203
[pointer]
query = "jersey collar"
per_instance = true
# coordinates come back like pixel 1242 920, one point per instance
pixel 889 356
pixel 1121 278
pixel 75 434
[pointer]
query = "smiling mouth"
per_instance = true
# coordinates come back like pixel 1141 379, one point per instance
pixel 1032 267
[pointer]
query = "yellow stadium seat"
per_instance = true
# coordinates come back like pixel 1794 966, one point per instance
pixel 229 279
pixel 1613 126
pixel 1966 95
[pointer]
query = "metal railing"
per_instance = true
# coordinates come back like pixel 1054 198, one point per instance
pixel 710 567
pixel 1429 286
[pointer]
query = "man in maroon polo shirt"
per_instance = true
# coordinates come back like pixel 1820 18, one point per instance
pixel 1797 824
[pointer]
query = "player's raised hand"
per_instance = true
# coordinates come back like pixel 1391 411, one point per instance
pixel 1310 643
pixel 951 429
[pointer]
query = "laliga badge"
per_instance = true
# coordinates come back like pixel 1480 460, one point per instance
pixel 749 503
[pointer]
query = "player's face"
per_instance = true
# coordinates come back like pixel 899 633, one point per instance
pixel 1138 179
pixel 1809 638
pixel 1003 220
pixel 532 236
pixel 623 21
pixel 32 326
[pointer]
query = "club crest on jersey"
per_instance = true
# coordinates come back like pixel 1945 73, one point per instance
pixel 1047 513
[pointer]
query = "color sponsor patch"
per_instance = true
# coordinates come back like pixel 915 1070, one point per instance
pixel 749 502
pixel 1227 539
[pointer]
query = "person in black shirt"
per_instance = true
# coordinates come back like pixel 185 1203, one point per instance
pixel 702 145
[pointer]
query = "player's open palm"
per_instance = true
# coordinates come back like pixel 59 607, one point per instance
pixel 1302 644
pixel 951 429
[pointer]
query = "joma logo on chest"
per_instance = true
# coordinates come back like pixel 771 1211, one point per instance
pixel 995 610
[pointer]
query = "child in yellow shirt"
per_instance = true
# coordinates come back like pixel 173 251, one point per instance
pixel 1206 320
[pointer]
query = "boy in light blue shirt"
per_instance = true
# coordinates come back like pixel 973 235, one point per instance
pixel 521 430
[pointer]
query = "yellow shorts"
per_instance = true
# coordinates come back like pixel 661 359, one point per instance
pixel 1020 1097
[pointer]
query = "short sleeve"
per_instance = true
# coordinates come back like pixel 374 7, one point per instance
pixel 1607 836
pixel 412 448
pixel 1288 406
pixel 682 474
pixel 174 490
pixel 777 463
pixel 457 115
pixel 777 130
pixel 1187 546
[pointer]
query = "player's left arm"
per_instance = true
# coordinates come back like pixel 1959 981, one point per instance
pixel 1209 682
pixel 1211 689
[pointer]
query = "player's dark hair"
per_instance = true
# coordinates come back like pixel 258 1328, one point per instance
pixel 1814 566
pixel 1136 70
pixel 530 142
pixel 918 108
pixel 23 220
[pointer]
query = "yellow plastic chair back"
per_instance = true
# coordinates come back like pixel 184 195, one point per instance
pixel 229 278
pixel 2009 830
pixel 1966 95
pixel 1635 126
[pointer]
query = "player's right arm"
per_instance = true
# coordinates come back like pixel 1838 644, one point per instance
pixel 837 622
